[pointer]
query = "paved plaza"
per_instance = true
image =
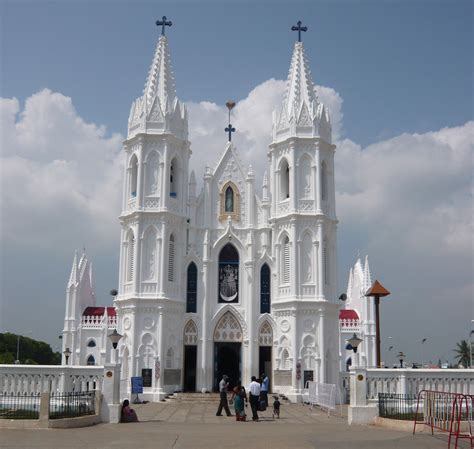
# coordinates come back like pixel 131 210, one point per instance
pixel 195 426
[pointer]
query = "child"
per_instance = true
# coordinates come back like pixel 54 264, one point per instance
pixel 276 407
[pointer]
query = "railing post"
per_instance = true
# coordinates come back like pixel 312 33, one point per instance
pixel 44 409
pixel 402 382
pixel 359 411
pixel 110 407
pixel 97 401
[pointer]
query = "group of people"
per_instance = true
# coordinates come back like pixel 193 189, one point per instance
pixel 257 396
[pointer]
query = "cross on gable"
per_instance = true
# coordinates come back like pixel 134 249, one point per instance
pixel 299 28
pixel 163 23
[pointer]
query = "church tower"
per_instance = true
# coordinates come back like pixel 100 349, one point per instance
pixel 153 224
pixel 303 217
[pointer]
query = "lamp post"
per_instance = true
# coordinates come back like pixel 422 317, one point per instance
pixel 115 337
pixel 67 353
pixel 401 357
pixel 377 291
pixel 355 341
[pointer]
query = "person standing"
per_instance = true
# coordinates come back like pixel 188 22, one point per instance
pixel 254 395
pixel 223 386
pixel 264 389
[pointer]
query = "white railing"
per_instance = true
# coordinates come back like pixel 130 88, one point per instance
pixel 98 322
pixel 412 381
pixel 348 325
pixel 53 378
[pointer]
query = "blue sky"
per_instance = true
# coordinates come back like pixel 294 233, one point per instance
pixel 401 66
pixel 397 75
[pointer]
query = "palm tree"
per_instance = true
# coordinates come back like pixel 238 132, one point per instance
pixel 462 353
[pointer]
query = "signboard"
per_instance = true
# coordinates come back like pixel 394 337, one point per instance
pixel 147 376
pixel 137 385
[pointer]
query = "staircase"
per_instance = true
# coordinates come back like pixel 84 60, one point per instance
pixel 193 397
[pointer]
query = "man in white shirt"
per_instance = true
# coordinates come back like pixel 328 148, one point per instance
pixel 223 386
pixel 254 395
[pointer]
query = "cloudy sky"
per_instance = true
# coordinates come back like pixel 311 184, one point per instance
pixel 395 75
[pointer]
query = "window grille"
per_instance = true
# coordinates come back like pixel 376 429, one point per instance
pixel 286 261
pixel 265 289
pixel 171 259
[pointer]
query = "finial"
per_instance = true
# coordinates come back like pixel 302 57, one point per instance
pixel 230 129
pixel 299 28
pixel 163 23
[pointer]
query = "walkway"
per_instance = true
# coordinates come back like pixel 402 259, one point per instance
pixel 195 426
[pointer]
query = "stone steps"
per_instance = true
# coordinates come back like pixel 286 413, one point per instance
pixel 208 398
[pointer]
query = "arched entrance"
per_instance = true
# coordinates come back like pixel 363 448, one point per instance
pixel 190 356
pixel 227 350
pixel 265 343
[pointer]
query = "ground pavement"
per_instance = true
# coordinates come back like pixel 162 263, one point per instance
pixel 195 426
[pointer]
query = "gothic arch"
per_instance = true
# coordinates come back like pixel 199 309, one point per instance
pixel 152 164
pixel 265 334
pixel 90 360
pixel 228 308
pixel 307 257
pixel 133 175
pixel 284 179
pixel 305 176
pixel 149 253
pixel 235 212
pixel 228 329
pixel 190 334
pixel 175 176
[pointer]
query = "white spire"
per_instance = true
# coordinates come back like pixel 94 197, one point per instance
pixel 160 82
pixel 73 277
pixel 300 87
pixel 367 274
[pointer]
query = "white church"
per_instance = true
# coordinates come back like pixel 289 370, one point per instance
pixel 236 279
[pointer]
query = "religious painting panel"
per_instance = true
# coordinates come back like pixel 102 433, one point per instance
pixel 228 275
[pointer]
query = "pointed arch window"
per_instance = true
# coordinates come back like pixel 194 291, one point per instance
pixel 91 360
pixel 265 289
pixel 174 178
pixel 133 176
pixel 191 289
pixel 285 262
pixel 229 199
pixel 130 256
pixel 228 276
pixel 91 343
pixel 324 181
pixel 284 180
pixel 171 257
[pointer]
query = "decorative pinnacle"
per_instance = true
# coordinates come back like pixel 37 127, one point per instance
pixel 163 23
pixel 298 28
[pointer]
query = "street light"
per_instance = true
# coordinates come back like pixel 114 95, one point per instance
pixel 67 353
pixel 354 342
pixel 115 337
pixel 377 291
pixel 401 357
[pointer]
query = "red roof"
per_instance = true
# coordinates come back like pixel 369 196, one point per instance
pixel 99 311
pixel 348 314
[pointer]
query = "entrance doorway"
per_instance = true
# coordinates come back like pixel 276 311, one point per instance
pixel 190 359
pixel 265 361
pixel 227 361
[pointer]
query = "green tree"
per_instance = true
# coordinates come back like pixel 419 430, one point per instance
pixel 463 356
pixel 31 351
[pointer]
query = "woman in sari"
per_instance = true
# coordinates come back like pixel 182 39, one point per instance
pixel 128 414
pixel 239 397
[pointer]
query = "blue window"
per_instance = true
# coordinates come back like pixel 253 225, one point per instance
pixel 265 289
pixel 191 289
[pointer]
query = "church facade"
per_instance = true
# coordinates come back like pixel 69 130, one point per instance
pixel 235 279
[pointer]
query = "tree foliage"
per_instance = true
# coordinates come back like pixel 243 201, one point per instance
pixel 31 351
pixel 463 356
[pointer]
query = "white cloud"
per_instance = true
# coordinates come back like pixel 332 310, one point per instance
pixel 406 200
pixel 60 175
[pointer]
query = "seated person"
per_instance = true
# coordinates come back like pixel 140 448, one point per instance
pixel 128 414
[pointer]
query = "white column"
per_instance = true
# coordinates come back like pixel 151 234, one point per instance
pixel 319 237
pixel 140 175
pixel 293 202
pixel 294 260
pixel 322 346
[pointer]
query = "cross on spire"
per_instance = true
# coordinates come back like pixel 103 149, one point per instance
pixel 163 23
pixel 230 129
pixel 298 28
